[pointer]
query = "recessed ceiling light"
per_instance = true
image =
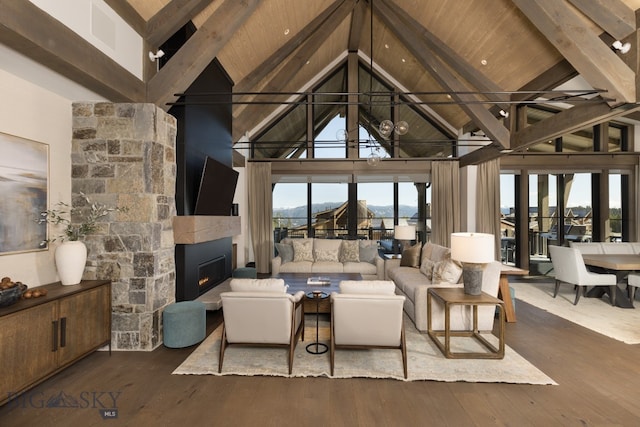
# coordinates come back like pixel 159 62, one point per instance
pixel 404 60
pixel 483 62
pixel 308 62
pixel 286 32
pixel 386 46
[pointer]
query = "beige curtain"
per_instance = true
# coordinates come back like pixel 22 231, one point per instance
pixel 260 213
pixel 445 201
pixel 488 201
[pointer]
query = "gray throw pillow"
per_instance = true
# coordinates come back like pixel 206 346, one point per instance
pixel 285 251
pixel 368 251
pixel 411 256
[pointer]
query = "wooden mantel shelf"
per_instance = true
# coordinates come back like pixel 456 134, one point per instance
pixel 203 228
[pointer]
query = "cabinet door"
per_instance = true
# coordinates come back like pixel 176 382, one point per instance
pixel 85 323
pixel 28 349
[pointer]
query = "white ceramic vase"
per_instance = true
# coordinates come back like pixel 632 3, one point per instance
pixel 71 258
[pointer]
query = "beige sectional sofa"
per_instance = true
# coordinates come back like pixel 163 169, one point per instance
pixel 328 256
pixel 437 269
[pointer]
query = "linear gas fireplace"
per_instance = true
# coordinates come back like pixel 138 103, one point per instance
pixel 211 273
pixel 201 266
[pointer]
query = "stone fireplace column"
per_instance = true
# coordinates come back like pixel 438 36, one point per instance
pixel 124 155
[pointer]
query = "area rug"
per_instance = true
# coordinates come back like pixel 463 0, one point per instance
pixel 424 360
pixel 592 313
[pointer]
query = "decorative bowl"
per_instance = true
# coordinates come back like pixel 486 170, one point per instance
pixel 12 295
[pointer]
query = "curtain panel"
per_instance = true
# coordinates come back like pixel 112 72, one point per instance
pixel 488 201
pixel 445 195
pixel 260 214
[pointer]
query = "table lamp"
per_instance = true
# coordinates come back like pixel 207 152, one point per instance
pixel 404 234
pixel 473 250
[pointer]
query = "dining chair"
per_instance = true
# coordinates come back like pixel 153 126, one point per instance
pixel 633 281
pixel 569 268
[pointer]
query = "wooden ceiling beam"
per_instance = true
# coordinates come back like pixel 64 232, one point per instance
pixel 246 120
pixel 198 52
pixel 173 16
pixel 593 59
pixel 472 75
pixel 249 82
pixel 55 46
pixel 446 78
pixel 357 23
pixel 574 162
pixel 129 14
pixel 568 121
pixel 613 16
pixel 480 155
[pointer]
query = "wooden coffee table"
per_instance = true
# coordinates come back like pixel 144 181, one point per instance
pixel 298 282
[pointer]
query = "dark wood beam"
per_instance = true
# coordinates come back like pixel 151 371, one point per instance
pixel 187 64
pixel 593 59
pixel 574 162
pixel 248 83
pixel 613 16
pixel 171 18
pixel 568 121
pixel 472 75
pixel 131 16
pixel 480 155
pixel 55 46
pixel 246 120
pixel 560 73
pixel 445 77
pixel 357 22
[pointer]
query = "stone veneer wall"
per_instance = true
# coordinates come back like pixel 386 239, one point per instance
pixel 124 155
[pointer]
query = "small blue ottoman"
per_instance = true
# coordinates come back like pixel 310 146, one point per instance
pixel 184 324
pixel 245 273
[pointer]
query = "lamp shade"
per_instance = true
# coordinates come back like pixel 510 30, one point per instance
pixel 473 248
pixel 404 232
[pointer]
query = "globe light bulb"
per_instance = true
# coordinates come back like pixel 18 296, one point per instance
pixel 401 127
pixel 342 135
pixel 373 159
pixel 386 127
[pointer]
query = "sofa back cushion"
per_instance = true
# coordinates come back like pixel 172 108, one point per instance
pixel 302 249
pixel 326 249
pixel 446 270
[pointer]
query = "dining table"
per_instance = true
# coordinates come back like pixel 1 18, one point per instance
pixel 618 264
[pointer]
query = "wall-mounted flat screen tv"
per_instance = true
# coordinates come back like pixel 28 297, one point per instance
pixel 217 187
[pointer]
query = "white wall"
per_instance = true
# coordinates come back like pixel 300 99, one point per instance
pixel 30 111
pixel 98 24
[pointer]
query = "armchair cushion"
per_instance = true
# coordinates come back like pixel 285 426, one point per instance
pixel 374 287
pixel 258 285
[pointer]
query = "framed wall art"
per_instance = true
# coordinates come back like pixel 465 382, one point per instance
pixel 24 176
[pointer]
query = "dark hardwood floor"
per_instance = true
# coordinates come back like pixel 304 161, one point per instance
pixel 598 379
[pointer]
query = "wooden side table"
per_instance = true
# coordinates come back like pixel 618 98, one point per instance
pixel 456 296
pixel 503 291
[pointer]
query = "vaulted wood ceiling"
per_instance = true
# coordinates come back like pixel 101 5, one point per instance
pixel 482 53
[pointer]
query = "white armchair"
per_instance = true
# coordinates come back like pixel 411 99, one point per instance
pixel 367 314
pixel 265 317
pixel 569 268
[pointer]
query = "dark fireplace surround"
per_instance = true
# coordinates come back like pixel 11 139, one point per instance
pixel 203 130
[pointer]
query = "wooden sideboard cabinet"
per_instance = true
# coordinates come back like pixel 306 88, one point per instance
pixel 41 336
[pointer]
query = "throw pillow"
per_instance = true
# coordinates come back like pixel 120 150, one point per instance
pixel 285 252
pixel 446 270
pixel 375 287
pixel 368 251
pixel 426 267
pixel 349 251
pixel 302 250
pixel 258 285
pixel 326 249
pixel 411 256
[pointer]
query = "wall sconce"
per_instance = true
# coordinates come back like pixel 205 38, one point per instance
pixel 473 250
pixel 622 48
pixel 153 56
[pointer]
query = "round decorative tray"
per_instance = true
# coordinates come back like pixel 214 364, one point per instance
pixel 11 295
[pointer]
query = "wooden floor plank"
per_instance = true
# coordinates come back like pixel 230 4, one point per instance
pixel 598 380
